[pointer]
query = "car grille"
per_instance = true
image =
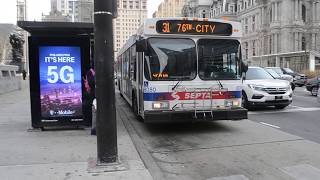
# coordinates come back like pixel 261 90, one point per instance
pixel 275 90
pixel 303 77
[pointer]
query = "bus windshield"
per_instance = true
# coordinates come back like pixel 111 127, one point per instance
pixel 170 59
pixel 219 59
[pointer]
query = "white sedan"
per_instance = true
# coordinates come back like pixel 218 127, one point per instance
pixel 261 89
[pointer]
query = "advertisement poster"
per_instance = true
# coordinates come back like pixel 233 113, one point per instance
pixel 60 81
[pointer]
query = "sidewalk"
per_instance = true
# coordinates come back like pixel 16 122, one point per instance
pixel 54 155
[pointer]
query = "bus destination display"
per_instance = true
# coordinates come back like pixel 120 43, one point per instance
pixel 193 27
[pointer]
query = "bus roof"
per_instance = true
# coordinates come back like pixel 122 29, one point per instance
pixel 186 27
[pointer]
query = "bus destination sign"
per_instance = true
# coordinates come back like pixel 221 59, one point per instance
pixel 193 27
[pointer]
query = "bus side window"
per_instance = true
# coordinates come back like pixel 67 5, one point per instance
pixel 133 63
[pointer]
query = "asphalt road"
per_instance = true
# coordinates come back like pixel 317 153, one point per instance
pixel 301 118
pixel 272 144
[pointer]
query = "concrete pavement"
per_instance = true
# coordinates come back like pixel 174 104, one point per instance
pixel 58 154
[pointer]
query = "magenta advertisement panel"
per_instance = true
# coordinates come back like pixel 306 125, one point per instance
pixel 60 81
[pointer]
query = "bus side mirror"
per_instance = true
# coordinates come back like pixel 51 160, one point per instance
pixel 141 46
pixel 244 67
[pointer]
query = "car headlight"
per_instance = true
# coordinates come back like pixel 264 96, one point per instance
pixel 288 87
pixel 256 87
pixel 160 105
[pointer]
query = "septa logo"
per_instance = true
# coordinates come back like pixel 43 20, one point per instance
pixel 175 96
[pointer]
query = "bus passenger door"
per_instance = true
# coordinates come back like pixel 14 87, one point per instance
pixel 140 81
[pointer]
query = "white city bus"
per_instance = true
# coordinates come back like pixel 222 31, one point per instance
pixel 182 69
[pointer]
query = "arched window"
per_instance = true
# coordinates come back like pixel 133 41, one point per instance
pixel 204 14
pixel 303 13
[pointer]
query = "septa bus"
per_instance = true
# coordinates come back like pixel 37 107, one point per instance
pixel 181 69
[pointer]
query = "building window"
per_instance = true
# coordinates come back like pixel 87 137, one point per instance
pixel 270 44
pixel 246 50
pixel 270 15
pixel 303 13
pixel 253 23
pixel 253 48
pixel 303 43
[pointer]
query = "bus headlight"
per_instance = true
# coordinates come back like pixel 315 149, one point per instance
pixel 160 105
pixel 232 103
pixel 236 103
pixel 228 103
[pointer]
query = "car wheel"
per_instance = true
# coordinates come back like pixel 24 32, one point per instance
pixel 314 91
pixel 245 102
pixel 293 86
pixel 280 106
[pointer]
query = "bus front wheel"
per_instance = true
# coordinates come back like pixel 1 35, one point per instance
pixel 135 109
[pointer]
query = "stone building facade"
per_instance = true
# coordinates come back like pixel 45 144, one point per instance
pixel 275 32
pixel 131 14
pixel 70 11
pixel 169 8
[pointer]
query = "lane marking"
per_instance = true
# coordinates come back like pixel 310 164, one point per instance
pixel 295 106
pixel 236 177
pixel 270 125
pixel 302 172
pixel 285 111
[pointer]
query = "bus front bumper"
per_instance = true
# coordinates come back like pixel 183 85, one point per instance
pixel 185 116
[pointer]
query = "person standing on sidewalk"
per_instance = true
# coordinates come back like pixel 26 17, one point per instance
pixel 24 74
pixel 90 88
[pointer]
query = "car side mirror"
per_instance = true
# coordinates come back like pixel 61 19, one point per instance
pixel 141 46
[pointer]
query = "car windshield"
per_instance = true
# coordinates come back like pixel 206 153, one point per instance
pixel 273 73
pixel 257 73
pixel 218 59
pixel 288 70
pixel 170 59
pixel 277 70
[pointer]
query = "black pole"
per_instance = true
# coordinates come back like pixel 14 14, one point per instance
pixel 105 90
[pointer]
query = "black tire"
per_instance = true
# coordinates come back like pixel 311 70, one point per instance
pixel 134 105
pixel 293 86
pixel 245 102
pixel 135 109
pixel 314 91
pixel 280 106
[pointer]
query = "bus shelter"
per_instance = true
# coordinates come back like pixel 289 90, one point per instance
pixel 59 57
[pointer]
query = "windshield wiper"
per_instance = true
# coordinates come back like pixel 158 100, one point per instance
pixel 174 87
pixel 220 84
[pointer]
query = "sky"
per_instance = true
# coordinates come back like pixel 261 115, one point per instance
pixel 35 8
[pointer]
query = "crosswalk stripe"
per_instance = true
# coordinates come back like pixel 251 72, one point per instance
pixel 270 125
